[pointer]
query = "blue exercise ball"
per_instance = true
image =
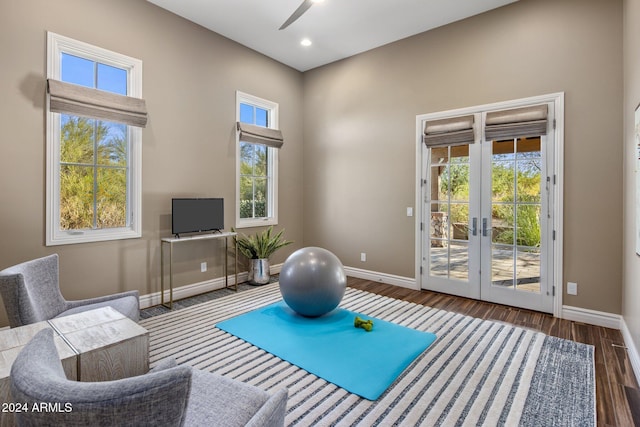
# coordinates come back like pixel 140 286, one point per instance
pixel 312 281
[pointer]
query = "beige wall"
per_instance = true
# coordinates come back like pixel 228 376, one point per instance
pixel 359 131
pixel 631 261
pixel 189 83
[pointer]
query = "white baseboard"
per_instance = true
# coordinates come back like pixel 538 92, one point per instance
pixel 390 279
pixel 190 290
pixel 632 350
pixel 275 269
pixel 592 317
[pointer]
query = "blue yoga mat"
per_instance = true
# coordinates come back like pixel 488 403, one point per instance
pixel 330 347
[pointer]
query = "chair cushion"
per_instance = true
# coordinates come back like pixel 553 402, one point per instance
pixel 219 401
pixel 128 306
pixel 148 400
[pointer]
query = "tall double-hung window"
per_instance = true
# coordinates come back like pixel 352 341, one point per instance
pixel 94 118
pixel 257 166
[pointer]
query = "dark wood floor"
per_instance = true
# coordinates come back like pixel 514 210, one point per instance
pixel 617 391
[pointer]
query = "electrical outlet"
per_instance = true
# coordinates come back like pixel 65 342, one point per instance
pixel 409 211
pixel 572 288
pixel 363 256
pixel 203 267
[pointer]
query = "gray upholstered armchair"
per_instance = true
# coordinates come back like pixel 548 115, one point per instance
pixel 31 293
pixel 168 395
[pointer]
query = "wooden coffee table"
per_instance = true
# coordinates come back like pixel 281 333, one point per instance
pixel 109 345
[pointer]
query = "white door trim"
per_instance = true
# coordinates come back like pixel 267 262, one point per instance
pixel 557 174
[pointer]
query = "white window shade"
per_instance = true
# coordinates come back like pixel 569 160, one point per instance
pixel 68 98
pixel 516 123
pixel 260 135
pixel 449 131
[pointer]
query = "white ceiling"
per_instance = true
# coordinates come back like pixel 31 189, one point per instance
pixel 337 28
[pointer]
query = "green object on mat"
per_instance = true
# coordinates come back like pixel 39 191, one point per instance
pixel 367 325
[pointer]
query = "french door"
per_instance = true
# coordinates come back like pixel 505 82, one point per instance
pixel 488 220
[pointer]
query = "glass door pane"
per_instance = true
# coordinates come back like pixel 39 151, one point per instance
pixel 516 171
pixel 448 202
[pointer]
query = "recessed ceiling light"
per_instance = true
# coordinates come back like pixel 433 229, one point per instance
pixel 317 1
pixel 305 42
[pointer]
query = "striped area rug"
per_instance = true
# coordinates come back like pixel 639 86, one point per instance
pixel 476 373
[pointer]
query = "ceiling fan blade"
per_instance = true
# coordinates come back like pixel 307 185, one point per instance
pixel 306 4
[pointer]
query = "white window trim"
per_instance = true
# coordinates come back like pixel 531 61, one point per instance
pixel 272 108
pixel 56 45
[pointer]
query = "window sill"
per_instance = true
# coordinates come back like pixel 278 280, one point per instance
pixel 259 222
pixel 88 236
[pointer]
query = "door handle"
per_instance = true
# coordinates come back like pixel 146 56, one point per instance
pixel 484 227
pixel 474 226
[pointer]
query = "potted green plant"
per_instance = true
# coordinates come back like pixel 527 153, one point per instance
pixel 258 248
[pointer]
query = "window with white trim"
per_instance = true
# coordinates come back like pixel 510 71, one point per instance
pixel 93 165
pixel 257 165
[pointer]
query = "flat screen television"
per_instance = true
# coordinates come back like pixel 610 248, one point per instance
pixel 191 215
